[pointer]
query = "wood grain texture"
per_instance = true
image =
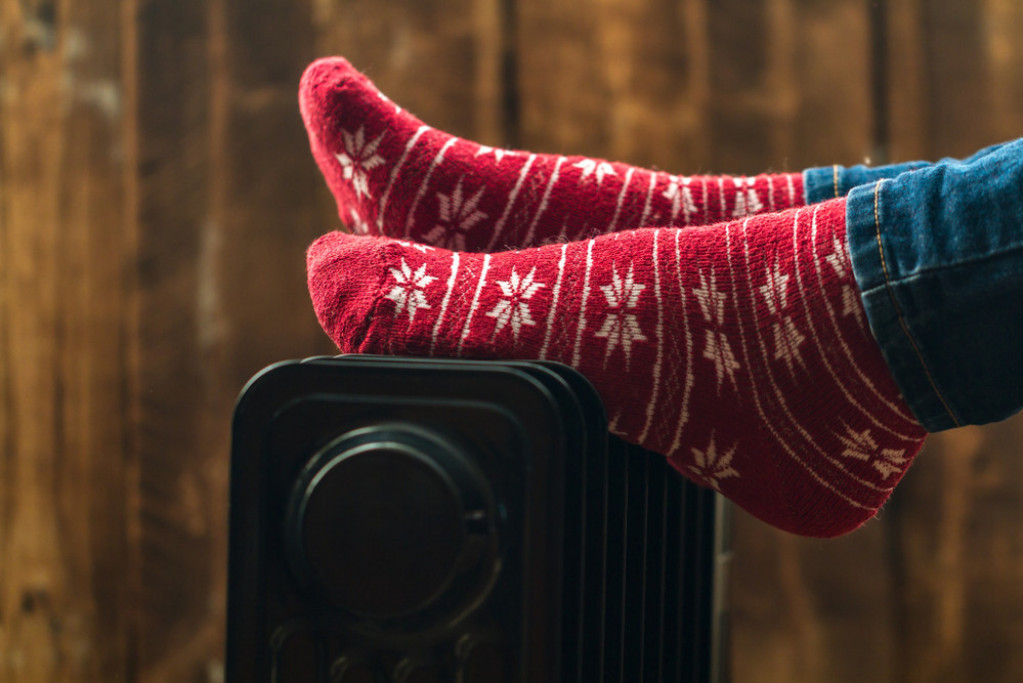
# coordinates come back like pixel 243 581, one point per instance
pixel 178 552
pixel 639 80
pixel 156 197
pixel 63 482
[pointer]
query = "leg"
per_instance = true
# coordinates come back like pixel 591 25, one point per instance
pixel 739 350
pixel 391 174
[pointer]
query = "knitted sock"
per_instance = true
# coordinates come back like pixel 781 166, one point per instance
pixel 393 175
pixel 739 350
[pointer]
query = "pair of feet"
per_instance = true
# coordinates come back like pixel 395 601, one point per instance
pixel 732 340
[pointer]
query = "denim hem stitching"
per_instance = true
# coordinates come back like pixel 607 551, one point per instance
pixel 898 309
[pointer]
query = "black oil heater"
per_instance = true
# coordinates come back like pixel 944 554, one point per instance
pixel 423 521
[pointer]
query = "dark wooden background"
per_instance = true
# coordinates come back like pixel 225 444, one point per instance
pixel 156 196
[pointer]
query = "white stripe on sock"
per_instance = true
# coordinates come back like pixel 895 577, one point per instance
pixel 554 304
pixel 706 203
pixel 528 241
pixel 683 415
pixel 582 305
pixel 475 304
pixel 511 201
pixel 684 188
pixel 649 195
pixel 394 174
pixel 444 303
pixel 422 187
pixel 660 343
pixel 621 200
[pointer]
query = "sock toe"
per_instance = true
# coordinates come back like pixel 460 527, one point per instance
pixel 345 275
pixel 319 78
pixel 336 100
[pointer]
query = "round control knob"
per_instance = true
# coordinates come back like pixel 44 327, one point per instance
pixel 379 520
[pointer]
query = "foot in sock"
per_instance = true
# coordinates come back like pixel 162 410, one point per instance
pixel 393 175
pixel 739 350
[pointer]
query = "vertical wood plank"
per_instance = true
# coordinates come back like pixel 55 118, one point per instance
pixel 955 83
pixel 63 245
pixel 226 208
pixel 790 83
pixel 264 211
pixel 955 87
pixel 177 550
pixel 614 79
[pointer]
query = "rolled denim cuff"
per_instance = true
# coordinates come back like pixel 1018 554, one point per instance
pixel 830 182
pixel 938 257
pixel 886 312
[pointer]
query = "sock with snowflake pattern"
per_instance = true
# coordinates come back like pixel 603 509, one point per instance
pixel 739 350
pixel 393 175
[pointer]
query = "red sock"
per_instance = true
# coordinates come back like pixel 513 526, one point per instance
pixel 739 350
pixel 393 175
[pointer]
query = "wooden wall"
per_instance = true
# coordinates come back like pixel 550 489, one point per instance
pixel 156 196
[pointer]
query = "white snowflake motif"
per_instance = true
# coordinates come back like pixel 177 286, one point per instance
pixel 711 466
pixel 681 196
pixel 839 260
pixel 712 302
pixel 358 158
pixel 513 310
pixel 862 446
pixel 718 350
pixel 891 461
pixel 858 445
pixel 787 338
pixel 591 166
pixel 458 216
pixel 746 199
pixel 408 289
pixel 621 328
pixel 496 151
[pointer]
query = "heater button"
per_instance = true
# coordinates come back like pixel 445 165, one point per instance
pixel 380 521
pixel 481 660
pixel 350 668
pixel 297 654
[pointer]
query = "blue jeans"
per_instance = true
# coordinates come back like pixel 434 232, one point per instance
pixel 938 256
pixel 831 182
